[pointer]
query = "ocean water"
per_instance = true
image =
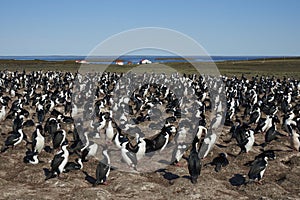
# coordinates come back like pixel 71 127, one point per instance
pixel 136 59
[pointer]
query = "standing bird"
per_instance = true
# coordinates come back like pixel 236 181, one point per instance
pixel 101 124
pixel 288 122
pixel 257 169
pixel 2 113
pixel 255 115
pixel 51 126
pixel 295 138
pixel 160 142
pixel 217 121
pixel 128 155
pixel 141 148
pixel 272 134
pixel 162 139
pixel 59 161
pixel 58 138
pixel 103 169
pixel 13 139
pixel 109 132
pixel 208 143
pixel 119 139
pixel 40 113
pixel 250 140
pixel 38 140
pixel 266 124
pixel 194 164
pixel 201 133
pixel 245 138
pixel 180 140
pixel 91 150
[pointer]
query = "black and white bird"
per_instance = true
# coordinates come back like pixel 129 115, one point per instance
pixel 219 162
pixel 201 133
pixel 103 169
pixel 18 122
pixel 51 126
pixel 4 100
pixel 13 139
pixel 109 131
pixel 128 155
pixel 248 143
pixel 71 166
pixel 268 153
pixel 2 113
pixel 101 124
pixel 59 161
pixel 181 146
pixel 90 151
pixel 40 113
pixel 235 128
pixel 272 134
pixel 38 140
pixel 245 138
pixel 288 122
pixel 257 169
pixel 255 115
pixel 265 124
pixel 295 138
pixel 141 148
pixel 84 142
pixel 194 164
pixel 216 122
pixel 58 138
pixel 162 139
pixel 119 139
pixel 31 157
pixel 208 143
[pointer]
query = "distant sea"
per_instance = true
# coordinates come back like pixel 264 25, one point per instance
pixel 136 59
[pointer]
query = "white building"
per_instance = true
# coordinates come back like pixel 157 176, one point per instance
pixel 82 61
pixel 145 61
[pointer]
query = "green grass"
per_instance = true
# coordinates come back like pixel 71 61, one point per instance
pixel 269 67
pixel 276 67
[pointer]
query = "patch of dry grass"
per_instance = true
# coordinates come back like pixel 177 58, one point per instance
pixel 269 67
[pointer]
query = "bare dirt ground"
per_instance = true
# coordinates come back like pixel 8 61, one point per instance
pixel 281 180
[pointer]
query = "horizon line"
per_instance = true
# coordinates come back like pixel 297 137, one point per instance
pixel 66 55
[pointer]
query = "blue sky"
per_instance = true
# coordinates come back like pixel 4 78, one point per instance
pixel 222 27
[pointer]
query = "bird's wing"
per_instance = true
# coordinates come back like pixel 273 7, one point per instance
pixel 57 160
pixel 33 144
pixel 70 166
pixel 132 157
pixel 149 145
pixel 57 139
pixel 289 127
pixel 253 117
pixel 101 171
pixel 225 162
pixel 11 139
pixel 257 166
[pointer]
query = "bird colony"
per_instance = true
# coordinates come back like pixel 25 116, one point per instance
pixel 144 122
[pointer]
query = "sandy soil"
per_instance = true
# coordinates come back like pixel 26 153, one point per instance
pixel 281 180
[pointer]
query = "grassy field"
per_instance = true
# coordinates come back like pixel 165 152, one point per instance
pixel 269 67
